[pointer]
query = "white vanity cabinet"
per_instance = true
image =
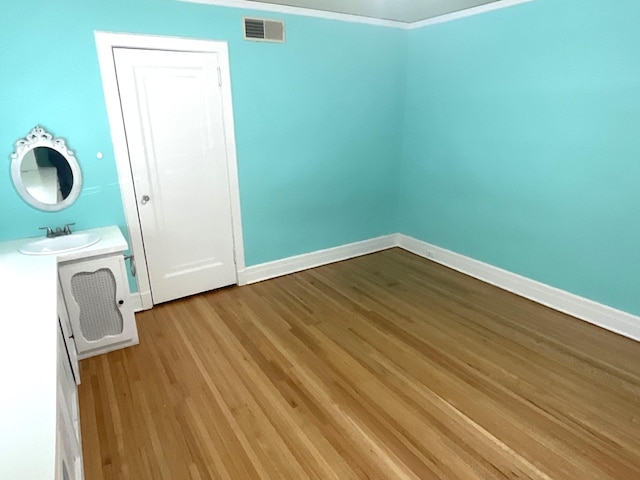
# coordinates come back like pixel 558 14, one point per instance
pixel 97 299
pixel 40 436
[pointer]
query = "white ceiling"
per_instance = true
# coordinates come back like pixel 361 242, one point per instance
pixel 398 10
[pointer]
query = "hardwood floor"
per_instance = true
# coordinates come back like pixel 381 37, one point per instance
pixel 386 366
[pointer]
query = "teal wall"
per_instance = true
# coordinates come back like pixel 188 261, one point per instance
pixel 511 136
pixel 318 119
pixel 522 143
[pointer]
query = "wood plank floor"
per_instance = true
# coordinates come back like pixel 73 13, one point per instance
pixel 386 366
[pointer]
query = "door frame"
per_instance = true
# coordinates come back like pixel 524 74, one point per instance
pixel 105 43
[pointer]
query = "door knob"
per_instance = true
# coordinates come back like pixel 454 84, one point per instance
pixel 145 199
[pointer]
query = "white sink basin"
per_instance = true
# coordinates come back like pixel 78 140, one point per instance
pixel 65 243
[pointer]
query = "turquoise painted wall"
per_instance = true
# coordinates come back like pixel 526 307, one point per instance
pixel 510 137
pixel 522 143
pixel 318 119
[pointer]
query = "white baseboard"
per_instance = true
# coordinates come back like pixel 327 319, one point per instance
pixel 596 313
pixel 137 302
pixel 606 317
pixel 285 266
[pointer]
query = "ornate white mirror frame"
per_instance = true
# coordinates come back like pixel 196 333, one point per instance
pixel 25 152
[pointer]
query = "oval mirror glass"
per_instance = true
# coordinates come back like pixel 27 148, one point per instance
pixel 45 173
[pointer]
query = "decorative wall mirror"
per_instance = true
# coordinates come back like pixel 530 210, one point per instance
pixel 45 173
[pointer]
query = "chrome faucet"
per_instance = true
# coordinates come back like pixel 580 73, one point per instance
pixel 59 231
pixel 49 231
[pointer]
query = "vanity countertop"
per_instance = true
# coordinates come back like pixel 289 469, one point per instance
pixel 28 362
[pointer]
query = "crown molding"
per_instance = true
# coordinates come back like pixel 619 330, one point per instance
pixel 307 12
pixel 345 17
pixel 464 13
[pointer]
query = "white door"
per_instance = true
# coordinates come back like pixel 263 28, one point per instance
pixel 172 110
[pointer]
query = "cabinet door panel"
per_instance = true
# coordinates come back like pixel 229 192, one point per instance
pixel 96 294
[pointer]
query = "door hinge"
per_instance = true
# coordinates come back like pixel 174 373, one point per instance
pixel 219 77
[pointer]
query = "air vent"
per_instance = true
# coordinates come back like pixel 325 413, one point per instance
pixel 261 30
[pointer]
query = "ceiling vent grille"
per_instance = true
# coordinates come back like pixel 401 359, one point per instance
pixel 261 30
